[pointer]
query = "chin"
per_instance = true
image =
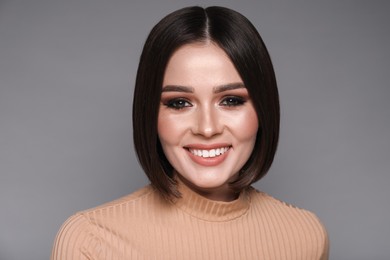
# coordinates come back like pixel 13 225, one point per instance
pixel 208 183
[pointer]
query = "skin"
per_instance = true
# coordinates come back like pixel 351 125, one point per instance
pixel 206 110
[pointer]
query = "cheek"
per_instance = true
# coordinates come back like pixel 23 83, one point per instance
pixel 169 129
pixel 252 125
pixel 163 129
pixel 245 125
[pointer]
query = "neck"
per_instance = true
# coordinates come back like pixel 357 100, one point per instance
pixel 202 207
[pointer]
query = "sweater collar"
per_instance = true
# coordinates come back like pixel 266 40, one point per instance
pixel 210 210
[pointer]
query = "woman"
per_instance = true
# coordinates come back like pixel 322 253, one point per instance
pixel 206 126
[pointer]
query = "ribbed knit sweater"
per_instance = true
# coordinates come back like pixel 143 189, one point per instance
pixel 143 225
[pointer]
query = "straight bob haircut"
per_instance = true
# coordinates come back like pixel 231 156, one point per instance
pixel 234 34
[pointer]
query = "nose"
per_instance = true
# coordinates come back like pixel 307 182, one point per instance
pixel 208 122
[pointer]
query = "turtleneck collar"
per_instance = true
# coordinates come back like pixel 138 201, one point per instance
pixel 211 210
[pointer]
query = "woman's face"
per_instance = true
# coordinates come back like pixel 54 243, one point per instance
pixel 207 124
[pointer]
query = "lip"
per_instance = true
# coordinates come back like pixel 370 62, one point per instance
pixel 207 161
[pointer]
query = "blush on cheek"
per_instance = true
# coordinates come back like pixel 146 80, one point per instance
pixel 163 119
pixel 252 125
pixel 248 124
pixel 170 128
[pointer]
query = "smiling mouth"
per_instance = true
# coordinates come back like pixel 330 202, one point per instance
pixel 209 153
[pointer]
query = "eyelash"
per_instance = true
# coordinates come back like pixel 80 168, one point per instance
pixel 232 101
pixel 180 103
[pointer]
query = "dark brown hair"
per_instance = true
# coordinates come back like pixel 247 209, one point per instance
pixel 236 35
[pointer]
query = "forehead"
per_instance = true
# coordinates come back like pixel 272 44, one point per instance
pixel 200 63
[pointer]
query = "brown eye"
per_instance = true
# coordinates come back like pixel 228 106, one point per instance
pixel 232 101
pixel 178 103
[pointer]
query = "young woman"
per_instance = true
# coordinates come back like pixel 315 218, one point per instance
pixel 206 126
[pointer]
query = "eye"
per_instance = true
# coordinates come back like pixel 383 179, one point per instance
pixel 178 103
pixel 232 101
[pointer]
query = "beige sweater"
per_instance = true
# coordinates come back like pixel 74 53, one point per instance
pixel 144 226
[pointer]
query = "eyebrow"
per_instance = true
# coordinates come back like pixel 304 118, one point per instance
pixel 176 88
pixel 217 89
pixel 231 86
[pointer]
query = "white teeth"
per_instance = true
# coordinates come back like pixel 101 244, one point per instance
pixel 209 153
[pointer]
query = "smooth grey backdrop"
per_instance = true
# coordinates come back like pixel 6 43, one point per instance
pixel 67 70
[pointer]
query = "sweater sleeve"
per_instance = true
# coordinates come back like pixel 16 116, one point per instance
pixel 323 238
pixel 325 254
pixel 75 240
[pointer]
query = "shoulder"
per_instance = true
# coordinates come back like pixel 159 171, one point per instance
pixel 113 212
pixel 296 222
pixel 282 211
pixel 85 229
pixel 135 197
pixel 270 204
pixel 70 238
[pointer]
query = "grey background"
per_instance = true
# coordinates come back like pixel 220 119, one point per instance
pixel 67 70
